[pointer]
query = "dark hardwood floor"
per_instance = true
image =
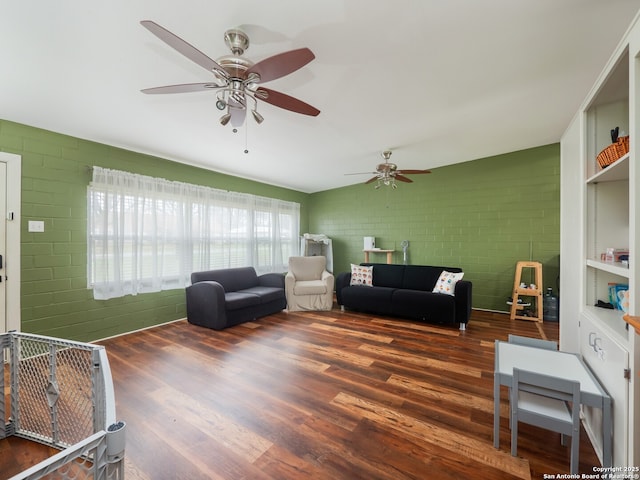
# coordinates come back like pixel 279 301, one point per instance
pixel 319 395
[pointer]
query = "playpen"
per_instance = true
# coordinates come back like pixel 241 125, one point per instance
pixel 60 393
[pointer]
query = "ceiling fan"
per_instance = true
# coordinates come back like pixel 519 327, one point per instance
pixel 387 173
pixel 237 79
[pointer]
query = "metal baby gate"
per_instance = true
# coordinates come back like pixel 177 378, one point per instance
pixel 60 393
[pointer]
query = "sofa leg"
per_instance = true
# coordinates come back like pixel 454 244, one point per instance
pixel 342 308
pixel 463 327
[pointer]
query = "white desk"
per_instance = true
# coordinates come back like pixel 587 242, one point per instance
pixel 558 364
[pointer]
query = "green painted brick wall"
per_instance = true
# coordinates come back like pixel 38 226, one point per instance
pixel 482 215
pixel 54 296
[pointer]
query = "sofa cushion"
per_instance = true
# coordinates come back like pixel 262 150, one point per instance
pixel 310 287
pixel 232 279
pixel 424 305
pixel 361 275
pixel 446 283
pixel 265 294
pixel 368 299
pixel 423 277
pixel 307 268
pixel 238 300
pixel 385 275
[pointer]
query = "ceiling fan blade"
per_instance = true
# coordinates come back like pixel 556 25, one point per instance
pixel 360 173
pixel 413 172
pixel 282 64
pixel 372 179
pixel 402 178
pixel 185 48
pixel 182 88
pixel 283 100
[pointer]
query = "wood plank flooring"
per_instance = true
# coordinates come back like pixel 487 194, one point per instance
pixel 319 395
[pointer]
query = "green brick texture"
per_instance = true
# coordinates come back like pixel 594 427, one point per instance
pixel 482 215
pixel 55 299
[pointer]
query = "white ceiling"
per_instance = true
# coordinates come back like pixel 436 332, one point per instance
pixel 437 82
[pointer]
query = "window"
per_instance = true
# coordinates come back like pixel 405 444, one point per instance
pixel 148 234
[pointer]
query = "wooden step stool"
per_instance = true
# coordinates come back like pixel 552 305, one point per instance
pixel 535 294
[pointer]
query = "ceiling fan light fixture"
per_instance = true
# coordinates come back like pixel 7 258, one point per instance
pixel 238 97
pixel 224 119
pixel 257 117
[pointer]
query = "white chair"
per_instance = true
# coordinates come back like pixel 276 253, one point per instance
pixel 547 402
pixel 308 285
pixel 533 342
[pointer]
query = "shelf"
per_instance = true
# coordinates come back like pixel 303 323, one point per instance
pixel 528 292
pixel 520 305
pixel 615 268
pixel 378 250
pixel 615 172
pixel 599 210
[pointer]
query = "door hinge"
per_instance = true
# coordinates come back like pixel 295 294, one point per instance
pixel 627 373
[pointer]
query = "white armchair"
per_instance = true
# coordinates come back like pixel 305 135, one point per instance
pixel 308 285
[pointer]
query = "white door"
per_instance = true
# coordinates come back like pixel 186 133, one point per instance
pixel 3 247
pixel 10 194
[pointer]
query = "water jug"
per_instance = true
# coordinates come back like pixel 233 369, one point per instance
pixel 550 306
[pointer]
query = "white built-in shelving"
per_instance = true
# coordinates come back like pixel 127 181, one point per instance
pixel 599 211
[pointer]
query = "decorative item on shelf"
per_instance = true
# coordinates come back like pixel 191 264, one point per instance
pixel 615 255
pixel 405 256
pixel 618 148
pixel 369 243
pixel 619 296
pixel 624 300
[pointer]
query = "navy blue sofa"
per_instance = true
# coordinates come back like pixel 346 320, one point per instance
pixel 406 291
pixel 222 298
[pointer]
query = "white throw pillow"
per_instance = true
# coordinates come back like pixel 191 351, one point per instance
pixel 361 275
pixel 447 282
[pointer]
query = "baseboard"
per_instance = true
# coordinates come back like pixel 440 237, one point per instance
pixel 138 330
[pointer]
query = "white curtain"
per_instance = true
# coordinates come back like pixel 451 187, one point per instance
pixel 148 234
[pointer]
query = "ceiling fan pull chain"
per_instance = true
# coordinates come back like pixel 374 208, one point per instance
pixel 246 137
